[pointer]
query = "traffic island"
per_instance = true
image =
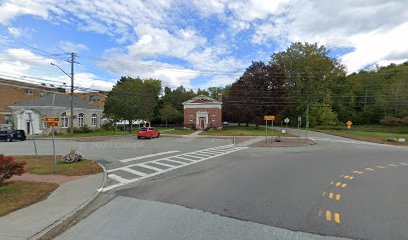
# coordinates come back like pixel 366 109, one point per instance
pixel 283 142
pixel 50 197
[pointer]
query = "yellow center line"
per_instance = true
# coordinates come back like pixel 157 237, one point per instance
pixel 338 197
pixel 344 185
pixel 328 215
pixel 337 218
pixel 347 177
pixel 338 184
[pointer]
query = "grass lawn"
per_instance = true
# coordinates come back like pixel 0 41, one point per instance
pixel 243 131
pixel 18 194
pixel 44 165
pixel 164 130
pixel 371 133
pixel 93 134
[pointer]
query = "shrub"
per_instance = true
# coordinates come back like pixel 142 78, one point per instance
pixel 84 129
pixel 322 116
pixel 9 167
pixel 394 121
pixel 72 156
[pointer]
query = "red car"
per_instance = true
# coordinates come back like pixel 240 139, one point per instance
pixel 147 132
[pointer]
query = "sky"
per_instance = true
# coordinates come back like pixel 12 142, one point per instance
pixel 197 44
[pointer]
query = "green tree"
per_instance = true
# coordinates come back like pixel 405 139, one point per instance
pixel 132 99
pixel 310 73
pixel 169 114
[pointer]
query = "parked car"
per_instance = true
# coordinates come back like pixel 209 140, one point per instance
pixel 9 135
pixel 147 132
pixel 225 124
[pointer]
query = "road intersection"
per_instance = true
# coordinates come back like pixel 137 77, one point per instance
pixel 204 187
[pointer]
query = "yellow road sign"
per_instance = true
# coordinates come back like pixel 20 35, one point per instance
pixel 52 124
pixel 269 118
pixel 50 120
pixel 349 123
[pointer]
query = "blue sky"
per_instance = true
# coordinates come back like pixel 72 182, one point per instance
pixel 194 43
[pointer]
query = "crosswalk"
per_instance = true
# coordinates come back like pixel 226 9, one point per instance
pixel 135 172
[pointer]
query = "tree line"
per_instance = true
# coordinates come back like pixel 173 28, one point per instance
pixel 302 79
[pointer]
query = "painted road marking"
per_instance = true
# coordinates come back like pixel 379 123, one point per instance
pixel 147 156
pixel 357 172
pixel 328 215
pixel 189 159
pixel 338 184
pixel 392 165
pixel 323 194
pixel 331 195
pixel 150 167
pixel 142 174
pixel 118 178
pixel 379 166
pixel 344 185
pixel 405 164
pixel 332 182
pixel 338 197
pixel 369 169
pixel 337 218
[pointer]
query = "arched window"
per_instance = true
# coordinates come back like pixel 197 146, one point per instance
pixel 94 116
pixel 81 120
pixel 64 120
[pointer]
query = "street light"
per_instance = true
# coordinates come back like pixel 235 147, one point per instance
pixel 71 76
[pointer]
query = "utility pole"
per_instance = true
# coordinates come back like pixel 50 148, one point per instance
pixel 71 129
pixel 71 76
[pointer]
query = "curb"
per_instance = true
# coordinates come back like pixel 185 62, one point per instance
pixel 53 230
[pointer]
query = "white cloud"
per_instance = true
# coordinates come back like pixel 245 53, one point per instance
pixel 10 9
pixel 21 64
pixel 69 46
pixel 16 32
pixel 378 47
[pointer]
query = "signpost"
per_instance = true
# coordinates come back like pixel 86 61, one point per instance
pixel 349 123
pixel 53 122
pixel 268 118
pixel 286 121
pixel 299 122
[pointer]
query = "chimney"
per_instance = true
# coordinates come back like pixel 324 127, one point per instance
pixel 219 97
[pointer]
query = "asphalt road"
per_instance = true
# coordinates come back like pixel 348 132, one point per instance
pixel 338 187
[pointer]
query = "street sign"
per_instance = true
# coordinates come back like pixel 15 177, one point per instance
pixel 52 124
pixel 50 119
pixel 349 123
pixel 266 118
pixel 286 120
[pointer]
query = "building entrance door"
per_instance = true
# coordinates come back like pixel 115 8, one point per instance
pixel 28 128
pixel 202 122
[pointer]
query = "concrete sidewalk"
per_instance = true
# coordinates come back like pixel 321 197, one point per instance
pixel 35 220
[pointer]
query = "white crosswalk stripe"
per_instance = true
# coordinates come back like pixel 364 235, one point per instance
pixel 341 141
pixel 180 160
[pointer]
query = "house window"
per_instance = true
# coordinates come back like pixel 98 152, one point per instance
pixel 8 119
pixel 44 124
pixel 81 120
pixel 94 119
pixel 191 118
pixel 213 118
pixel 29 91
pixel 64 120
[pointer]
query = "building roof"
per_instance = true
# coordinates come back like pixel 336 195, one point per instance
pixel 56 100
pixel 202 99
